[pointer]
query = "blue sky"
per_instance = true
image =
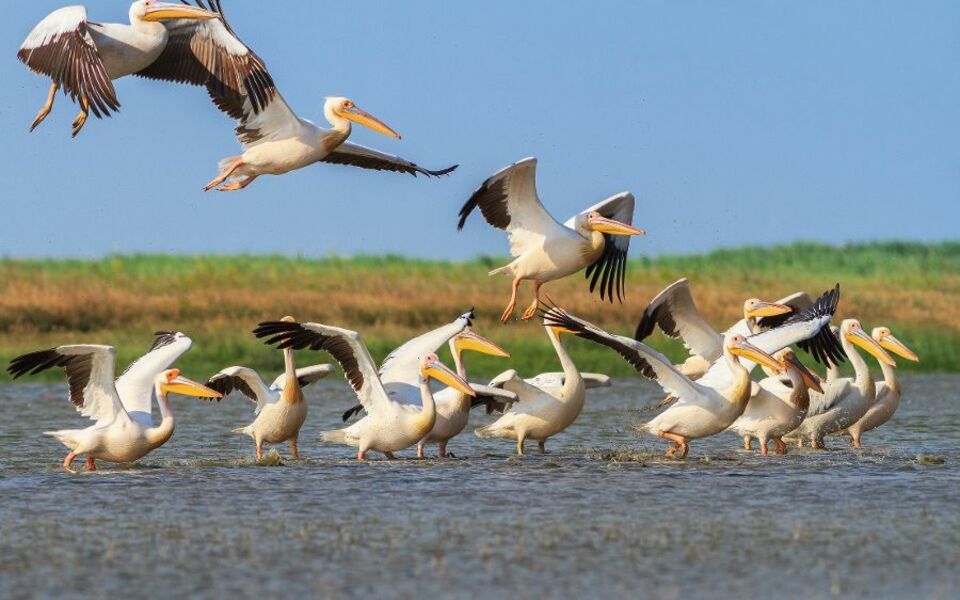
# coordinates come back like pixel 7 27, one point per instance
pixel 733 123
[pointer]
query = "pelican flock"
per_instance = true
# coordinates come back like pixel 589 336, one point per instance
pixel 412 400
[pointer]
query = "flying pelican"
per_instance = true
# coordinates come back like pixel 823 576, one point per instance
pixel 174 42
pixel 116 436
pixel 775 409
pixel 391 424
pixel 887 397
pixel 281 408
pixel 676 313
pixel 544 250
pixel 538 413
pixel 701 410
pixel 844 400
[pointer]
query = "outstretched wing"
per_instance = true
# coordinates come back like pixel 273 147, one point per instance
pixel 610 270
pixel 61 47
pixel 403 364
pixel 243 380
pixel 346 347
pixel 356 155
pixel 136 385
pixel 89 370
pixel 305 376
pixel 675 312
pixel 508 201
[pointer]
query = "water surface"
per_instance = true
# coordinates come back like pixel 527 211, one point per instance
pixel 602 513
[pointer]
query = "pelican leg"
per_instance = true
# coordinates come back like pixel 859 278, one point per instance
pixel 390 456
pixel 542 444
pixel 443 449
pixel 747 442
pixel 855 440
pixel 816 442
pixel 91 465
pixel 763 447
pixel 259 450
pixel 532 309
pixel 81 119
pixel 520 445
pixel 237 184
pixel 223 176
pixel 513 302
pixel 68 462
pixel 294 451
pixel 781 447
pixel 47 106
pixel 419 450
pixel 679 440
pixel 361 455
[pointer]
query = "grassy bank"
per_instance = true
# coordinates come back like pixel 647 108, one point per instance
pixel 217 300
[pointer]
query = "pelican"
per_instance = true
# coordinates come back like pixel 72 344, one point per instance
pixel 775 409
pixel 173 42
pixel 391 423
pixel 539 413
pixel 844 400
pixel 544 250
pixel 676 313
pixel 701 410
pixel 116 436
pixel 281 408
pixel 887 397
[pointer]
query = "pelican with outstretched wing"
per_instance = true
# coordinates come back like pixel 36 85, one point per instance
pixel 176 42
pixel 116 436
pixel 596 239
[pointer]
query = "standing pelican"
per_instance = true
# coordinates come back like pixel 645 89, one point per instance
pixel 281 408
pixel 391 423
pixel 539 414
pixel 887 396
pixel 844 400
pixel 544 250
pixel 174 42
pixel 774 408
pixel 115 436
pixel 676 313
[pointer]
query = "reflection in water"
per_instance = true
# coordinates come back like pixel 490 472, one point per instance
pixel 603 512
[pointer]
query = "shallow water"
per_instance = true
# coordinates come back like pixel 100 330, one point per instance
pixel 602 512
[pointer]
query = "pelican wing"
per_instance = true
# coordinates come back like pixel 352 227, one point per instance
pixel 61 47
pixel 798 301
pixel 90 371
pixel 675 312
pixel 610 270
pixel 508 201
pixel 210 53
pixel 356 155
pixel 833 392
pixel 403 364
pixel 493 399
pixel 556 379
pixel 305 376
pixel 136 384
pixel 346 347
pixel 246 381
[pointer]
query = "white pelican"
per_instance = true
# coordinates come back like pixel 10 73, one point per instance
pixel 676 313
pixel 887 397
pixel 116 436
pixel 774 408
pixel 700 410
pixel 281 408
pixel 538 413
pixel 844 400
pixel 174 42
pixel 391 424
pixel 544 250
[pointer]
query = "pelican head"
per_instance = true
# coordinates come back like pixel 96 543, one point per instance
pixel 755 308
pixel 596 222
pixel 853 332
pixel 171 382
pixel 152 11
pixel 469 340
pixel 789 361
pixel 888 342
pixel 739 346
pixel 432 368
pixel 336 108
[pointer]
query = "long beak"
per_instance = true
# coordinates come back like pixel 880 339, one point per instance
pixel 605 225
pixel 441 373
pixel 170 12
pixel 897 347
pixel 468 340
pixel 769 309
pixel 751 352
pixel 367 120
pixel 860 338
pixel 186 387
pixel 809 378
